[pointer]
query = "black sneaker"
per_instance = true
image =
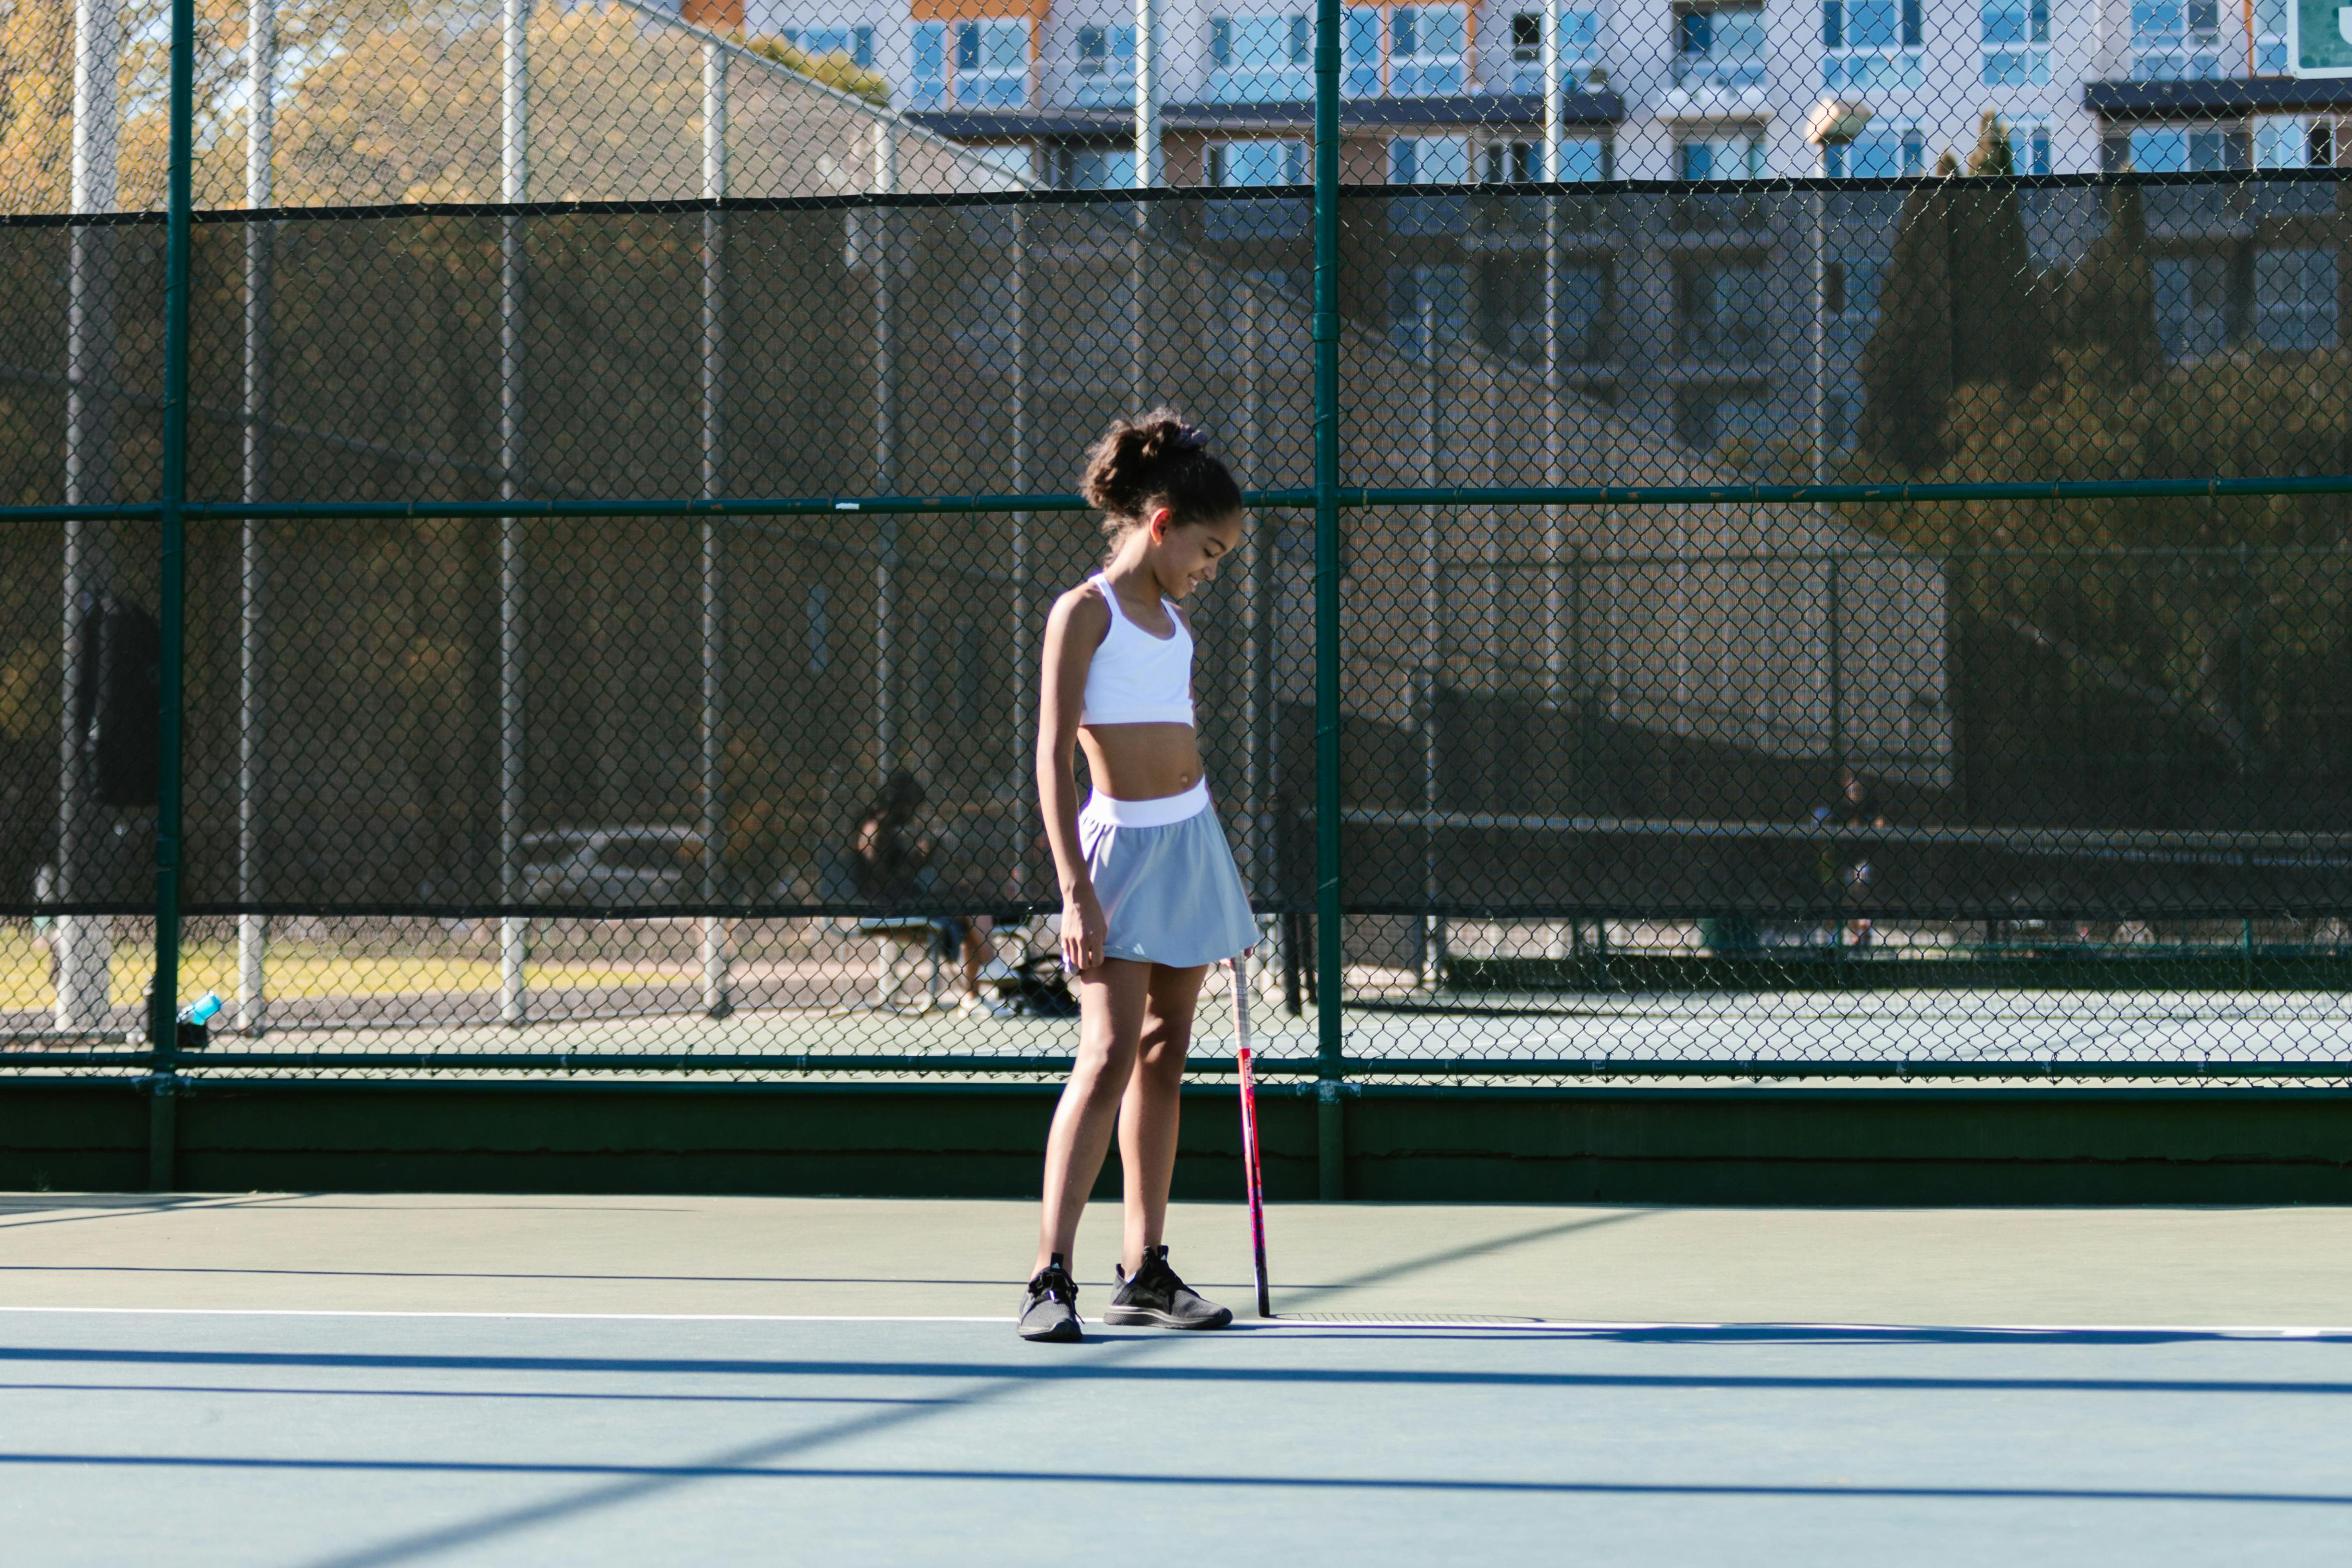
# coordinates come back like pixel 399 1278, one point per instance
pixel 1050 1309
pixel 1155 1295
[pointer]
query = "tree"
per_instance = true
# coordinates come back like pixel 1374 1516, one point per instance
pixel 834 70
pixel 1907 365
pixel 1962 306
pixel 2110 299
pixel 2000 327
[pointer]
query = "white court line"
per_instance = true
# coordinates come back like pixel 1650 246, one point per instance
pixel 1568 1326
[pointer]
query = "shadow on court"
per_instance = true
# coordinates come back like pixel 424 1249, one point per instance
pixel 346 1441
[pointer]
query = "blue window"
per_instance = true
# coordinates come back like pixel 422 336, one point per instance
pixel 1871 24
pixel 2168 150
pixel 1360 52
pixel 1871 46
pixel 1580 47
pixel 1739 157
pixel 1235 163
pixel 991 64
pixel 1723 47
pixel 1429 161
pixel 1881 152
pixel 1429 50
pixel 1105 66
pixel 1230 164
pixel 2176 40
pixel 931 88
pixel 1261 59
pixel 2029 149
pixel 855 43
pixel 1096 169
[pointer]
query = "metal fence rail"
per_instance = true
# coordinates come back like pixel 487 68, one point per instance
pixel 1727 595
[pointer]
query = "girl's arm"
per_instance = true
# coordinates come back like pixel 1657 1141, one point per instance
pixel 1078 626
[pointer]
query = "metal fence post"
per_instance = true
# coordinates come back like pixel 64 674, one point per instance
pixel 163 1006
pixel 1554 113
pixel 261 124
pixel 1149 169
pixel 1834 615
pixel 715 999
pixel 1331 1141
pixel 85 941
pixel 514 185
pixel 1024 655
pixel 1432 615
pixel 886 433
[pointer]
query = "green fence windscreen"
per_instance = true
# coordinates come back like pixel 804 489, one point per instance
pixel 1841 561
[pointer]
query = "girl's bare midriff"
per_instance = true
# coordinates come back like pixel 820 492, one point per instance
pixel 1141 761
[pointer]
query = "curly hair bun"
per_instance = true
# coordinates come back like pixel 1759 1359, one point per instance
pixel 1133 462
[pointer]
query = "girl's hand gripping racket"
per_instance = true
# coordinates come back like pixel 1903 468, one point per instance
pixel 1251 1174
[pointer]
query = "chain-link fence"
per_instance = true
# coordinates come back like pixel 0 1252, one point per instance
pixel 1787 540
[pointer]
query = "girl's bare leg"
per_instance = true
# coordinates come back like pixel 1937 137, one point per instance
pixel 1112 998
pixel 1148 1114
pixel 975 945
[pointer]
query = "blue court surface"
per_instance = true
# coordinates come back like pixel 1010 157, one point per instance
pixel 350 1439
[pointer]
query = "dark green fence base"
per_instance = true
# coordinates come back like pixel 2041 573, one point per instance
pixel 1824 1147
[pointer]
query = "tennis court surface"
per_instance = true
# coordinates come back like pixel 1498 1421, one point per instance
pixel 344 1380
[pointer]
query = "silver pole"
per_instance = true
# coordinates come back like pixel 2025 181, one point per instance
pixel 1555 95
pixel 261 126
pixel 1148 153
pixel 1148 173
pixel 1817 425
pixel 85 943
pixel 714 957
pixel 886 430
pixel 514 184
pixel 1433 617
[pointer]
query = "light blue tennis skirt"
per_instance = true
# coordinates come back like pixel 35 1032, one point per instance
pixel 1165 876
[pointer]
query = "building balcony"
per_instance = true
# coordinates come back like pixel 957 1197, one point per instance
pixel 2026 65
pixel 1261 85
pixel 2214 98
pixel 1104 123
pixel 2181 62
pixel 1709 88
pixel 1873 70
pixel 1720 73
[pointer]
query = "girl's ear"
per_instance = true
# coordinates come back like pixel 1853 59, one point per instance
pixel 1159 524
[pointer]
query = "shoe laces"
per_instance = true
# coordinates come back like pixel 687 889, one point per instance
pixel 1155 1267
pixel 1053 1283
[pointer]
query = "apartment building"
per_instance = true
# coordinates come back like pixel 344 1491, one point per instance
pixel 1693 316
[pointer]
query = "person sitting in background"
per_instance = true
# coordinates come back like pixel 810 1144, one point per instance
pixel 1849 874
pixel 894 866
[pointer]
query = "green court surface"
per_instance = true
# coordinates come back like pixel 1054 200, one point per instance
pixel 322 1379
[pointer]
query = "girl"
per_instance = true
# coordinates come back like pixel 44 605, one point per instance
pixel 1150 894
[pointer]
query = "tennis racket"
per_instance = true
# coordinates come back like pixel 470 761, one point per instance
pixel 1252 1177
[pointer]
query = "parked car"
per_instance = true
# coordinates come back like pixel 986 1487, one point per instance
pixel 639 866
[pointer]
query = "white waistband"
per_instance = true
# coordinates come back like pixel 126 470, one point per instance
pixel 1157 812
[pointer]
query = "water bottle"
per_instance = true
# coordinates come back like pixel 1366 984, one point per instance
pixel 202 1010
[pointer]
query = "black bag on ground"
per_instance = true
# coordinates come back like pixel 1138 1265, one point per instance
pixel 1037 989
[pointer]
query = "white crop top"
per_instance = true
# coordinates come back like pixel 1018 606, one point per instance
pixel 1137 678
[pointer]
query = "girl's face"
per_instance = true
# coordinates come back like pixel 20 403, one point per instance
pixel 1183 556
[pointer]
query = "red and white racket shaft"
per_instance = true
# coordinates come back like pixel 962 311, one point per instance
pixel 1253 1176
